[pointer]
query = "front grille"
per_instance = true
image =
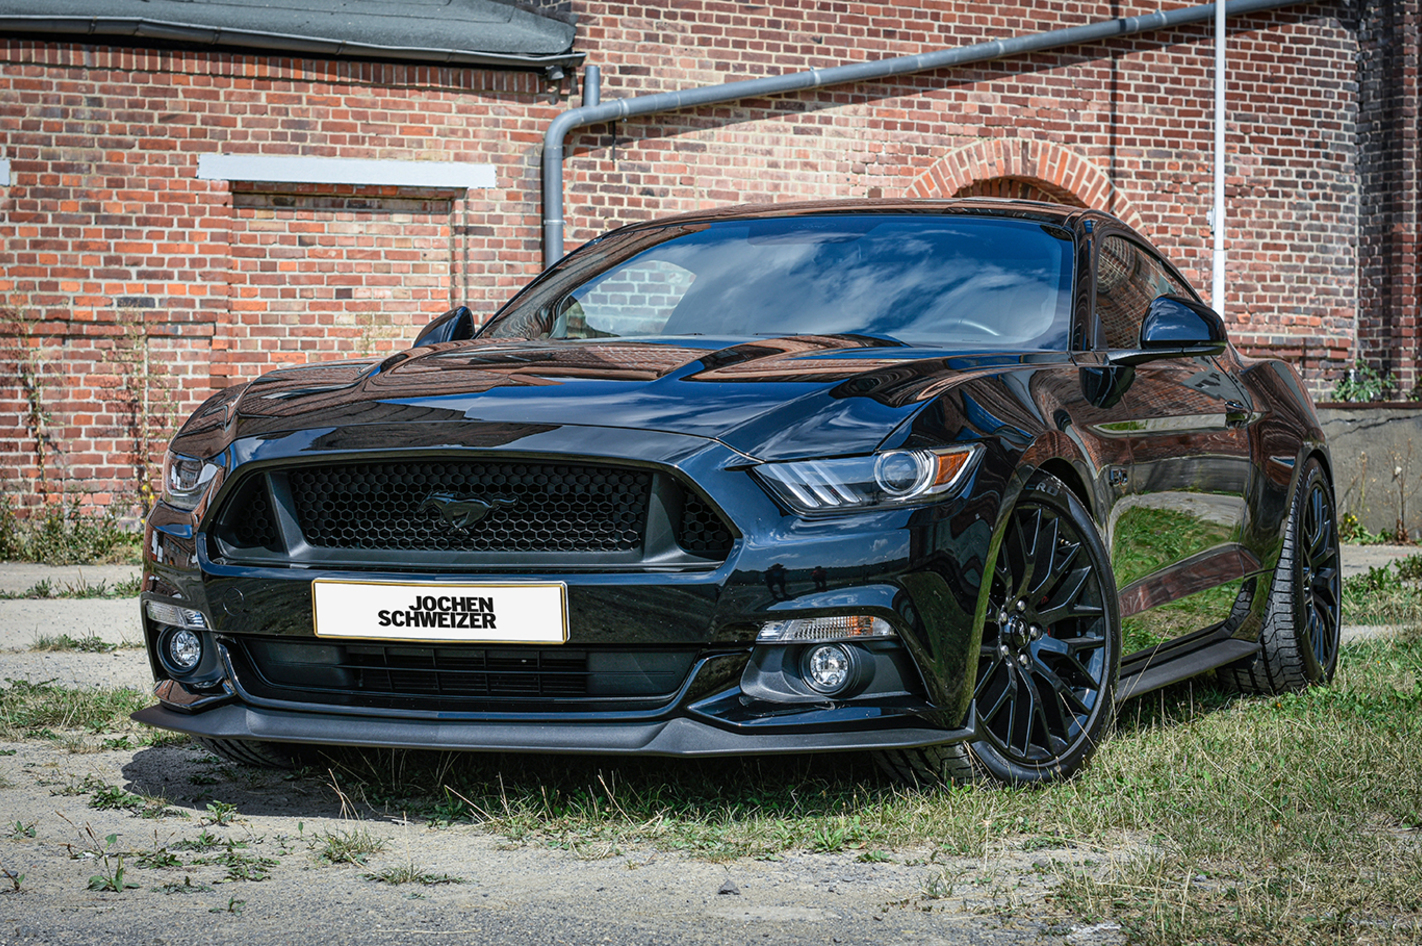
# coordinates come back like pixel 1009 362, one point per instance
pixel 453 677
pixel 441 511
pixel 429 505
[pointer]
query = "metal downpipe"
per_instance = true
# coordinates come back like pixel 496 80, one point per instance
pixel 616 109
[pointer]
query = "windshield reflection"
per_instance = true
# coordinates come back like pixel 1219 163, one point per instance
pixel 991 283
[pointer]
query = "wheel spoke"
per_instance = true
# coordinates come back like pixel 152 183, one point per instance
pixel 1067 603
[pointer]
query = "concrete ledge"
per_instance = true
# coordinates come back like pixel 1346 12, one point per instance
pixel 1377 459
pixel 302 170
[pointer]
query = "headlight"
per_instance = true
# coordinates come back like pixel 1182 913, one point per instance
pixel 891 478
pixel 185 479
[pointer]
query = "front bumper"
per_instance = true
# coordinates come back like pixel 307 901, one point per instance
pixel 920 568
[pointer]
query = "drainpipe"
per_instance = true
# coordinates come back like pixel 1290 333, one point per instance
pixel 1217 214
pixel 618 109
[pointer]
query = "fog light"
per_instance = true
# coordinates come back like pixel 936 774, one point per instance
pixel 834 628
pixel 183 649
pixel 828 668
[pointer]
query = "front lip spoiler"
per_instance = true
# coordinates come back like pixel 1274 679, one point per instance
pixel 674 737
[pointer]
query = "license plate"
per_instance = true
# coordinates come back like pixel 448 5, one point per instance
pixel 478 613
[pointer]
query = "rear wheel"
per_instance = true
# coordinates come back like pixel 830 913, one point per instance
pixel 1299 640
pixel 1050 652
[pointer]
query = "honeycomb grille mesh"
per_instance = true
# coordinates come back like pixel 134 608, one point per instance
pixel 702 531
pixel 464 506
pixel 256 526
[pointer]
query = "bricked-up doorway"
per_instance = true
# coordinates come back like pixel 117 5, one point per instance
pixel 323 271
pixel 1020 189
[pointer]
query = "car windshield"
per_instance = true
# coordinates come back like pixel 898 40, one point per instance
pixel 924 280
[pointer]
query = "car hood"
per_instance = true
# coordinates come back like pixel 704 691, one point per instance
pixel 768 398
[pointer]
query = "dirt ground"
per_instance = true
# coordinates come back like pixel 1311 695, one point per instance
pixel 235 856
pixel 252 873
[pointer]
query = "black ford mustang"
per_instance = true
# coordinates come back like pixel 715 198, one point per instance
pixel 944 481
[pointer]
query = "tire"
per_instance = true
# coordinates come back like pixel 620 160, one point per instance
pixel 1299 639
pixel 1050 652
pixel 261 755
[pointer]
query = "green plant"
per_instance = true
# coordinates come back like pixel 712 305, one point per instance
pixel 410 874
pixel 1363 384
pixel 91 644
pixel 348 847
pixel 22 830
pixel 111 877
pixel 233 906
pixel 1350 529
pixel 14 879
pixel 220 813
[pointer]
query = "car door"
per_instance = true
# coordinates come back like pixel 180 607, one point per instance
pixel 1176 531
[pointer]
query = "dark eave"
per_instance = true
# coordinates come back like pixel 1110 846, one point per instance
pixel 462 32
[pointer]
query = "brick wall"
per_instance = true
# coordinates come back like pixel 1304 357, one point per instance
pixel 135 289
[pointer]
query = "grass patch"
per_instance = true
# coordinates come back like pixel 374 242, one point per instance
pixel 64 533
pixel 48 711
pixel 348 847
pixel 90 644
pixel 46 589
pixel 410 874
pixel 1283 820
pixel 1386 595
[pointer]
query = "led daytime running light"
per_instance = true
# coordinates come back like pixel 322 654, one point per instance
pixel 833 628
pixel 175 616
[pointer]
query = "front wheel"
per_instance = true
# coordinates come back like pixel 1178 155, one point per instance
pixel 1050 652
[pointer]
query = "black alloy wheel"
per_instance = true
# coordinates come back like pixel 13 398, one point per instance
pixel 1298 644
pixel 1320 578
pixel 1051 642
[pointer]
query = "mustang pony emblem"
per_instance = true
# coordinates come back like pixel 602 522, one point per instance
pixel 461 512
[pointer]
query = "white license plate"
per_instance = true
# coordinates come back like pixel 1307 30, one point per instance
pixel 481 613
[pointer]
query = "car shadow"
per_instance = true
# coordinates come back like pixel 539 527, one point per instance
pixel 452 786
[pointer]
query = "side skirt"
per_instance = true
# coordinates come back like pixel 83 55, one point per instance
pixel 1150 670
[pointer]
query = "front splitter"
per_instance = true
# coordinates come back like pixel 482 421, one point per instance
pixel 674 737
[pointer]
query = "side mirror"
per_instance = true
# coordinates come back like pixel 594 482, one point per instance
pixel 1176 328
pixel 453 326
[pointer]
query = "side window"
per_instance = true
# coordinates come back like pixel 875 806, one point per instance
pixel 632 300
pixel 1128 278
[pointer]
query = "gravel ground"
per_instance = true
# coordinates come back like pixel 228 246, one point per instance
pixel 511 893
pixel 508 892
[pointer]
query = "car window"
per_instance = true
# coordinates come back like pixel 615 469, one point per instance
pixel 1128 279
pixel 922 279
pixel 631 300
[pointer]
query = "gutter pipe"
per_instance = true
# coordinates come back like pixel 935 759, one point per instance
pixel 1217 215
pixel 617 109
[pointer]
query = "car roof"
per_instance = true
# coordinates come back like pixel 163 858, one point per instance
pixel 1060 214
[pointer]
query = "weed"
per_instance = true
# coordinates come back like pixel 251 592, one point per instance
pixel 160 859
pixel 22 829
pixel 14 878
pixel 348 847
pixel 410 874
pixel 220 813
pixel 1384 595
pixel 111 876
pixel 233 906
pixel 205 841
pixel 45 589
pixel 64 532
pixel 1362 384
pixel 38 709
pixel 90 644
pixel 187 886
pixel 243 866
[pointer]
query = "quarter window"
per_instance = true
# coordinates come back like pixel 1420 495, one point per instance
pixel 1128 279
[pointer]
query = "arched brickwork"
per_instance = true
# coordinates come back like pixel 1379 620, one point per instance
pixel 1000 165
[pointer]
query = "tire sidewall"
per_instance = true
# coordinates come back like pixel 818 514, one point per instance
pixel 1302 603
pixel 1049 492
